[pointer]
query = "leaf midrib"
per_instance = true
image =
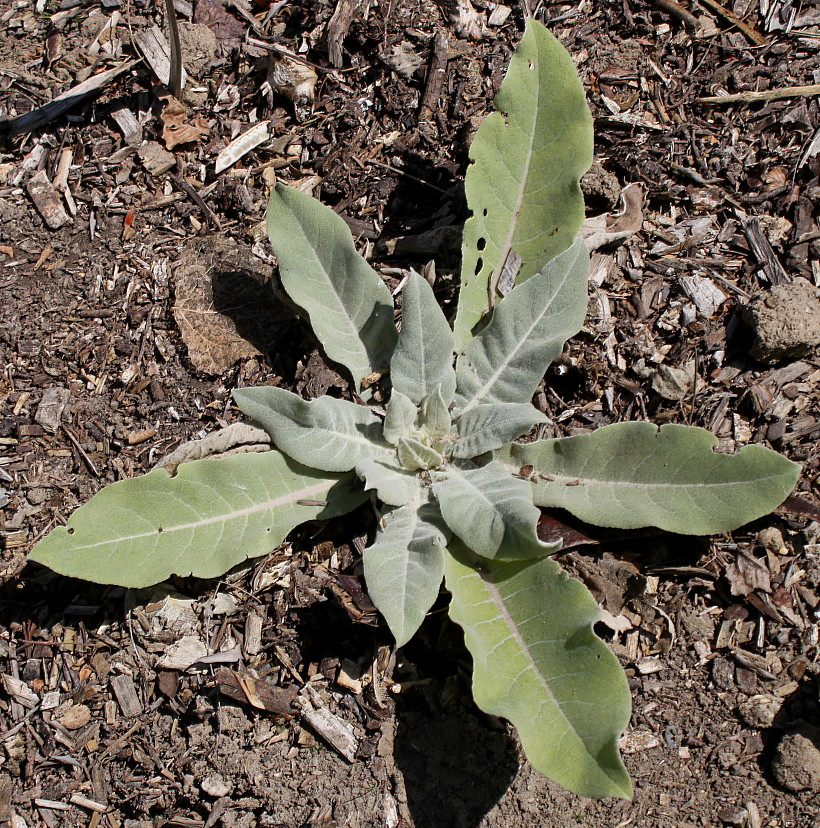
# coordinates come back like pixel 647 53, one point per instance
pixel 224 517
pixel 481 394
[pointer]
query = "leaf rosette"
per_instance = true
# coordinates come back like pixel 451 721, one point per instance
pixel 440 460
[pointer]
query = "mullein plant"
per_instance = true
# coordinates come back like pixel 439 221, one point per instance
pixel 457 497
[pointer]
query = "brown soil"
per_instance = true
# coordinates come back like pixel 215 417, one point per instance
pixel 105 370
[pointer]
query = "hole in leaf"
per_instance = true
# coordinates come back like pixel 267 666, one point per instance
pixel 478 265
pixel 481 243
pixel 70 530
pixel 530 65
pixel 484 212
pixel 159 530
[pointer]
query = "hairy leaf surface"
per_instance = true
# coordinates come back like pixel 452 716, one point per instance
pixel 400 418
pixel 349 307
pixel 423 359
pixel 528 329
pixel 489 427
pixel 435 416
pixel 208 518
pixel 404 566
pixel 325 433
pixel 393 484
pixel 491 512
pixel 415 455
pixel 630 475
pixel 538 663
pixel 523 187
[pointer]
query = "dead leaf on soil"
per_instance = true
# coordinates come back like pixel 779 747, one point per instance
pixel 224 305
pixel 175 129
pixel 228 30
pixel 613 228
pixel 746 574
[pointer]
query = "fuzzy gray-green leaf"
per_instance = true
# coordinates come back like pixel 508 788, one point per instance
pixel 325 433
pixel 489 427
pixel 491 512
pixel 415 455
pixel 404 566
pixel 527 331
pixel 400 418
pixel 423 359
pixel 210 516
pixel 631 475
pixel 435 417
pixel 523 185
pixel 393 484
pixel 537 662
pixel 349 307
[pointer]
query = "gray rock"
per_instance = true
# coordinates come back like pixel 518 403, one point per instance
pixel 796 764
pixel 786 321
pixel 198 45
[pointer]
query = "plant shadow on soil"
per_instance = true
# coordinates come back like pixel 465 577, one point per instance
pixel 456 761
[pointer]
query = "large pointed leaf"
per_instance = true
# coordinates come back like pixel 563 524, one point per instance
pixel 435 416
pixel 400 419
pixel 209 517
pixel 630 475
pixel 489 427
pixel 491 512
pixel 349 307
pixel 523 187
pixel 423 359
pixel 325 433
pixel 528 329
pixel 538 663
pixel 405 564
pixel 393 484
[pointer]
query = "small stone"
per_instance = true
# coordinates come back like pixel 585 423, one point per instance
pixel 155 159
pixel 733 816
pixel 198 45
pixel 796 764
pixel 786 321
pixel 77 716
pixel 50 410
pixel 759 711
pixel 215 785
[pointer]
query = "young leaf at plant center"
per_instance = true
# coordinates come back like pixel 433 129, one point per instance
pixel 528 329
pixel 404 566
pixel 415 455
pixel 491 512
pixel 211 516
pixel 523 185
pixel 349 307
pixel 435 417
pixel 325 433
pixel 630 475
pixel 400 419
pixel 490 427
pixel 393 484
pixel 537 662
pixel 423 359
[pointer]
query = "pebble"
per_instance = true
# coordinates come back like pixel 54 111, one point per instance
pixel 785 321
pixel 760 711
pixel 796 764
pixel 215 785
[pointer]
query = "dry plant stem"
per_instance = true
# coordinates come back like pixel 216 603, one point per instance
pixel 175 79
pixel 687 18
pixel 767 95
pixel 752 34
